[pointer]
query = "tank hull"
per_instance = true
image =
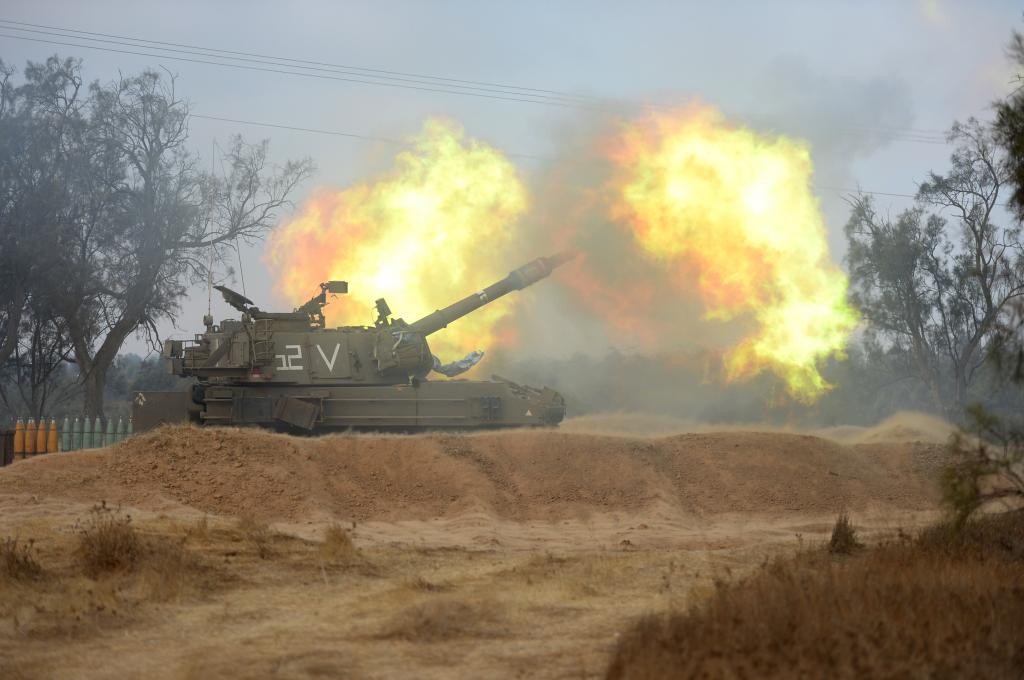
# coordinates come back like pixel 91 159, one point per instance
pixel 426 405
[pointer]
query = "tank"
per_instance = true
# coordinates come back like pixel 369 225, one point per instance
pixel 288 371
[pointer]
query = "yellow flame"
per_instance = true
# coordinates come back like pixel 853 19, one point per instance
pixel 736 207
pixel 428 233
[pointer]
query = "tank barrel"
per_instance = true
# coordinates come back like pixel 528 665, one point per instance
pixel 525 276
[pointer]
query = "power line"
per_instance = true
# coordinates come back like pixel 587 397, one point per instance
pixel 337 133
pixel 296 128
pixel 385 78
pixel 322 76
pixel 276 61
pixel 904 196
pixel 558 93
pixel 864 191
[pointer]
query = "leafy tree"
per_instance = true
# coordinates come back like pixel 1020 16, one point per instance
pixel 107 217
pixel 988 465
pixel 988 455
pixel 152 374
pixel 38 123
pixel 1009 129
pixel 936 293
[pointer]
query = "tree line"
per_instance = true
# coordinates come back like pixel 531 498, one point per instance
pixel 106 220
pixel 940 284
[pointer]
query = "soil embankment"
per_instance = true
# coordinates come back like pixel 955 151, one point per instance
pixel 517 476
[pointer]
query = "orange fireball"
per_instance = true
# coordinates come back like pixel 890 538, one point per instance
pixel 735 210
pixel 433 229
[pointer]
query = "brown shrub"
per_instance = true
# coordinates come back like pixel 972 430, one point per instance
pixel 923 608
pixel 107 541
pixel 995 537
pixel 18 561
pixel 844 537
pixel 446 619
pixel 426 586
pixel 258 534
pixel 337 545
pixel 200 531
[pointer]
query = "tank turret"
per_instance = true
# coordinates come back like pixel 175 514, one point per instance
pixel 287 368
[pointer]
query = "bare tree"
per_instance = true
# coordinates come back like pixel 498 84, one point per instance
pixel 12 293
pixel 39 377
pixel 937 292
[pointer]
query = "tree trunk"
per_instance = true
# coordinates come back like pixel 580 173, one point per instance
pixel 10 332
pixel 95 382
pixel 960 392
pixel 938 402
pixel 94 366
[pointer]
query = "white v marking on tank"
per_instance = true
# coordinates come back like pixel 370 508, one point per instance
pixel 334 357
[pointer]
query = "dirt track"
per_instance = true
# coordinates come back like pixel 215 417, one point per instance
pixel 514 554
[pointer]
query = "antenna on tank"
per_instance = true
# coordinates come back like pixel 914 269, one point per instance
pixel 209 268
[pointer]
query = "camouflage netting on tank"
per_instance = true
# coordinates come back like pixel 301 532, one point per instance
pixel 455 368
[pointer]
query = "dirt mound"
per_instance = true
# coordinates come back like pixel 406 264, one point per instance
pixel 521 475
pixel 631 424
pixel 903 427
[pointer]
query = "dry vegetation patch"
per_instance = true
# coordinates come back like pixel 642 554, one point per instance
pixel 155 567
pixel 337 546
pixel 167 571
pixel 844 537
pixel 99 577
pixel 447 618
pixel 107 542
pixel 258 534
pixel 995 538
pixel 18 560
pixel 200 530
pixel 425 585
pixel 946 604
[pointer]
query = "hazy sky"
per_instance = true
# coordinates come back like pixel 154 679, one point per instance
pixel 869 84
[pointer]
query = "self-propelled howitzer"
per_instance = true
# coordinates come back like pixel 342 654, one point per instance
pixel 289 371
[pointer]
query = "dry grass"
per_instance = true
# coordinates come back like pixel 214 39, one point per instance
pixel 18 560
pixel 97 579
pixel 258 534
pixel 107 542
pixel 424 585
pixel 157 568
pixel 947 604
pixel 844 537
pixel 997 538
pixel 167 571
pixel 200 530
pixel 446 618
pixel 337 546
